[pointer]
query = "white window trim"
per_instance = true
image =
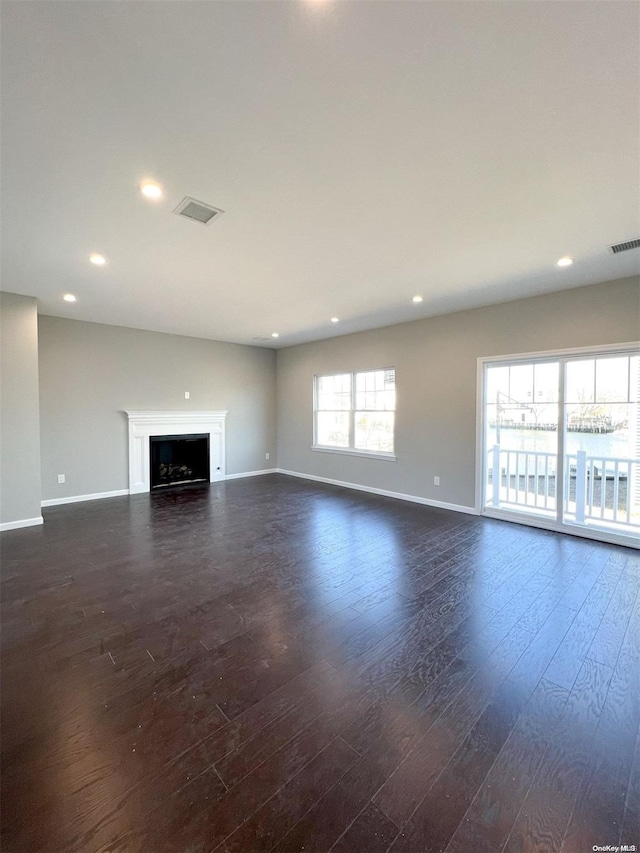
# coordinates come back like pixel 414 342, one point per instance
pixel 350 451
pixel 347 451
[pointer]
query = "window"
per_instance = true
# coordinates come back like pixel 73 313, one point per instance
pixel 355 412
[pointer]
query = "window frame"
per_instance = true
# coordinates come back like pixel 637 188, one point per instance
pixel 352 450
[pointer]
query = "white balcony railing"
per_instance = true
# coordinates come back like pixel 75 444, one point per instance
pixel 597 489
pixel 527 478
pixel 604 488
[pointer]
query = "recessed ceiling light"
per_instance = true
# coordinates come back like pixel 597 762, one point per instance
pixel 335 319
pixel 417 299
pixel 98 260
pixel 564 262
pixel 275 335
pixel 69 297
pixel 151 190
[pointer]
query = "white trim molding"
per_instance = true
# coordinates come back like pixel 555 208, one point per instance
pixel 144 424
pixel 384 492
pixel 251 474
pixel 347 451
pixel 75 499
pixel 24 522
pixel 622 347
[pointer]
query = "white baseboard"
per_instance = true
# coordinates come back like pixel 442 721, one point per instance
pixel 251 474
pixel 96 496
pixel 384 492
pixel 24 522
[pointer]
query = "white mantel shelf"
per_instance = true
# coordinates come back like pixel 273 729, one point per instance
pixel 146 423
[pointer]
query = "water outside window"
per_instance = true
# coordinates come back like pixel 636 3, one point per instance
pixel 521 435
pixel 602 447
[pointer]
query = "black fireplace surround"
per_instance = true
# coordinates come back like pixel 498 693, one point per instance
pixel 177 460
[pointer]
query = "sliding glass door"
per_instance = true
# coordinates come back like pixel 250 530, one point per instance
pixel 561 441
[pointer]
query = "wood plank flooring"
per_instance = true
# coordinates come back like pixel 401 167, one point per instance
pixel 272 665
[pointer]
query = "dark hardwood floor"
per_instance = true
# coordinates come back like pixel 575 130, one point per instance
pixel 268 664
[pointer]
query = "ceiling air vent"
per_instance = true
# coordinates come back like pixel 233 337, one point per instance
pixel 624 247
pixel 198 211
pixel 259 339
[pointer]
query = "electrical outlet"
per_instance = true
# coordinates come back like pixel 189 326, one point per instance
pixel 187 394
pixel 62 478
pixel 266 455
pixel 436 481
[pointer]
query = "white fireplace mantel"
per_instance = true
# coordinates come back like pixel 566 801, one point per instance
pixel 144 424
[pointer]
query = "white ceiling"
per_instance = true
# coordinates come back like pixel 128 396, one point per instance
pixel 363 152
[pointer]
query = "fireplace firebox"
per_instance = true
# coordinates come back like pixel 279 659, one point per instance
pixel 177 460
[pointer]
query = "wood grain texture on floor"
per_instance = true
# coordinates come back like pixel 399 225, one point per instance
pixel 273 665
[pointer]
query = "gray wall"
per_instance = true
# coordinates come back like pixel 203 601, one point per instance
pixel 90 373
pixel 436 363
pixel 19 418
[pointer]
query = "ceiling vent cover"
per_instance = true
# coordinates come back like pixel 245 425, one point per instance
pixel 259 339
pixel 624 247
pixel 198 211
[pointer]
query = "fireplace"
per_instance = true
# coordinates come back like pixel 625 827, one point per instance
pixel 176 460
pixel 145 426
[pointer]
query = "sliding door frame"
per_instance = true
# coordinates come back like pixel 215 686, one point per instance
pixel 557 524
